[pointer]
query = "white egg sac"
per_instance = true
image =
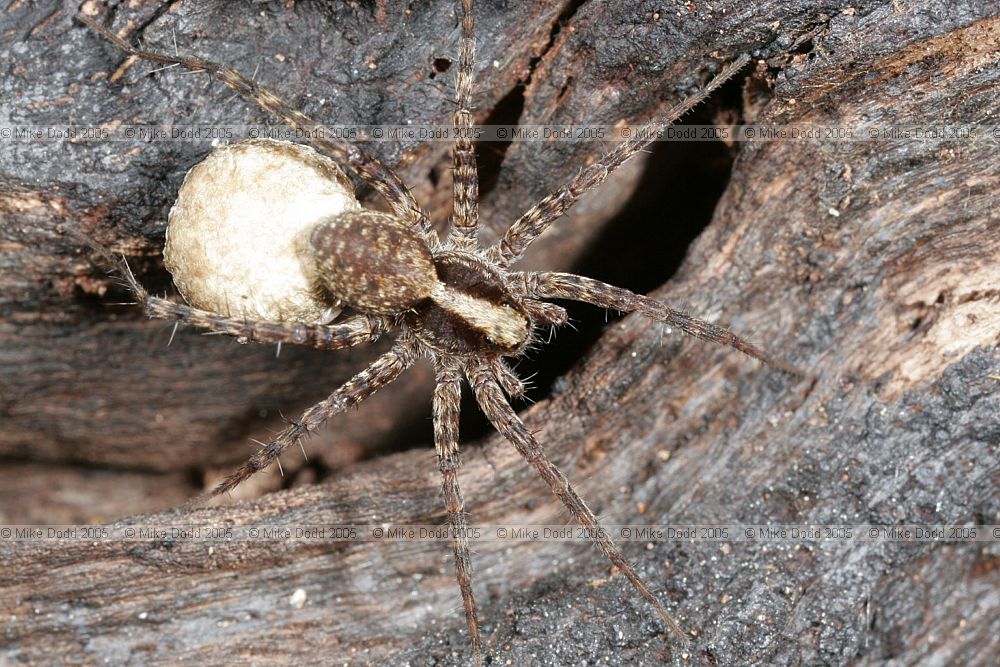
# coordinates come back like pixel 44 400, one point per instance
pixel 238 234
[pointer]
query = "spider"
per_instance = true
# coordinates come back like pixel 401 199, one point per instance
pixel 449 300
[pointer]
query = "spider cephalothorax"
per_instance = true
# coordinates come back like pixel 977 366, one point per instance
pixel 471 311
pixel 454 302
pixel 449 300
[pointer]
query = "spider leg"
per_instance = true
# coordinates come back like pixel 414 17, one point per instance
pixel 352 331
pixel 447 401
pixel 505 420
pixel 355 330
pixel 367 167
pixel 512 385
pixel 381 372
pixel 465 225
pixel 553 285
pixel 537 219
pixel 545 313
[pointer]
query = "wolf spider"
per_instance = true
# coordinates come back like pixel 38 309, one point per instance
pixel 450 299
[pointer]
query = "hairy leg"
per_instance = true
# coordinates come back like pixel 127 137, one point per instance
pixel 512 385
pixel 544 313
pixel 366 166
pixel 465 225
pixel 447 401
pixel 352 331
pixel 355 330
pixel 546 285
pixel 505 420
pixel 537 219
pixel 381 372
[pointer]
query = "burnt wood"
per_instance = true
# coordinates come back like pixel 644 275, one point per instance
pixel 872 264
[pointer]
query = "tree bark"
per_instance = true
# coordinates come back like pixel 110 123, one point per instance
pixel 871 264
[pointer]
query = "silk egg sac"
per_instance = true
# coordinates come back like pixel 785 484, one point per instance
pixel 238 234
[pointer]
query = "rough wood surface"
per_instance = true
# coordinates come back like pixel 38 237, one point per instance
pixel 870 263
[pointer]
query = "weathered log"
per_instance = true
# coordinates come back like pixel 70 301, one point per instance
pixel 871 264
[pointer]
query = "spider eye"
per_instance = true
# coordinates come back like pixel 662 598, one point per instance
pixel 373 262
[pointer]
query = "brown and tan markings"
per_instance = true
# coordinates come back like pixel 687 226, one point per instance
pixel 448 300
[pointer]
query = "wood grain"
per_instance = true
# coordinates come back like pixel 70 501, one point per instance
pixel 870 263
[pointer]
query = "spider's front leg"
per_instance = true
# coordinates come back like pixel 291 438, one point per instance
pixel 490 397
pixel 447 402
pixel 552 285
pixel 523 232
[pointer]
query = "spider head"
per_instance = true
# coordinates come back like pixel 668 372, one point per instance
pixel 470 311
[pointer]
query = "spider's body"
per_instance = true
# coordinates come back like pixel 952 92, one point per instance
pixel 452 301
pixel 341 255
pixel 471 311
pixel 373 262
pixel 449 300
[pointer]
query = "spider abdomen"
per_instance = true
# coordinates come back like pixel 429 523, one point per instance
pixel 373 262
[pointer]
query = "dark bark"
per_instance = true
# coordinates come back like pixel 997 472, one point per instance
pixel 871 264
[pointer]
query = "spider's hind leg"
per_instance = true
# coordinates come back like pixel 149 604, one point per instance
pixel 355 330
pixel 381 372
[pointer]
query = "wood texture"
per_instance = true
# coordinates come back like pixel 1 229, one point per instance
pixel 870 263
